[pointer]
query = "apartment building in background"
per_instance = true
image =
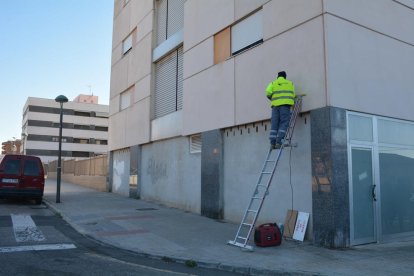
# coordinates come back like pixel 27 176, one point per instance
pixel 11 146
pixel 189 119
pixel 84 132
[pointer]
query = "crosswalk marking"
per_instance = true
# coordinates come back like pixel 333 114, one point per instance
pixel 25 229
pixel 39 247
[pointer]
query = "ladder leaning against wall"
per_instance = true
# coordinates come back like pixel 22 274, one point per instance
pixel 261 189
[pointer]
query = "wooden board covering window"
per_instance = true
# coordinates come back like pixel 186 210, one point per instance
pixel 222 45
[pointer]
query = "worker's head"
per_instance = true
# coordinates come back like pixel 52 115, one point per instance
pixel 281 74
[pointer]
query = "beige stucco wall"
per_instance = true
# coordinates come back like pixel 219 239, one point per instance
pixel 132 70
pixel 312 40
pixel 232 92
pixel 370 57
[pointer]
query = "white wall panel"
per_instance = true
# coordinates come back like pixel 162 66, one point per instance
pixel 138 123
pixel 205 18
pixel 209 99
pixel 199 58
pixel 281 15
pixel 257 67
pixel 244 7
pixel 367 70
pixel 384 16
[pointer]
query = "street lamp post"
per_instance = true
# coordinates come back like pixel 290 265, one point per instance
pixel 60 99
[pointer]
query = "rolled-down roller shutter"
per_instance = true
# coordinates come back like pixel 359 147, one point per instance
pixel 170 18
pixel 169 83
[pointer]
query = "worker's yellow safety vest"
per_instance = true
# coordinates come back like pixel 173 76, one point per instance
pixel 281 92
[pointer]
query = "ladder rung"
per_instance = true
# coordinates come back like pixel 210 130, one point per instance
pixel 261 185
pixel 252 211
pixel 266 172
pixel 242 238
pixel 257 197
pixel 247 224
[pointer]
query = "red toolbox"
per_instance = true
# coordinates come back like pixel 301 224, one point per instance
pixel 267 235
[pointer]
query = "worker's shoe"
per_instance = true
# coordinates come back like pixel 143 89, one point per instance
pixel 275 146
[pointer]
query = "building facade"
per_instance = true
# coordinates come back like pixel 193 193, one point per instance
pixel 84 131
pixel 189 119
pixel 11 146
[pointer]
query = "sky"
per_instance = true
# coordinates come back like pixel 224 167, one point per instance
pixel 49 48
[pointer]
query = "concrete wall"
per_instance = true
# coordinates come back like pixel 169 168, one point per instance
pixel 245 149
pixel 120 167
pixel 370 57
pixel 170 174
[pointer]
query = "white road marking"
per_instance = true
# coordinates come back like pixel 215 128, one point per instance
pixel 37 247
pixel 25 229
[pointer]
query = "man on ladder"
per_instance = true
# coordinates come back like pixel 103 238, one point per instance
pixel 281 93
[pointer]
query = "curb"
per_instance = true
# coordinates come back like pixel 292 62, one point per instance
pixel 198 263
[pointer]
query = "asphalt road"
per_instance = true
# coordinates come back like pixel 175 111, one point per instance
pixel 35 241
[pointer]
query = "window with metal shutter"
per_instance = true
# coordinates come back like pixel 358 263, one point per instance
pixel 180 60
pixel 165 85
pixel 161 21
pixel 170 18
pixel 175 16
pixel 169 83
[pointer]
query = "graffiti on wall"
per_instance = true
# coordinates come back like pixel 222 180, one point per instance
pixel 157 170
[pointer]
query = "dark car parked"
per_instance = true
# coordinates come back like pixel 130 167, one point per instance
pixel 21 176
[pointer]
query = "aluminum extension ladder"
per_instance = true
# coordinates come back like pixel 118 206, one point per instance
pixel 262 187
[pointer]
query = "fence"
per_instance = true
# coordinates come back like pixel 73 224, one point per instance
pixel 94 166
pixel 89 172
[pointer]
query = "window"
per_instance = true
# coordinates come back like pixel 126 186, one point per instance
pixel 247 33
pixel 395 132
pixel 82 113
pixel 127 44
pixel 12 167
pixel 170 18
pixel 169 83
pixel 360 128
pixel 80 154
pixel 125 99
pixel 31 168
pixel 101 128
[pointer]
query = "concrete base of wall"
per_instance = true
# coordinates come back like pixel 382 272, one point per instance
pixel 90 181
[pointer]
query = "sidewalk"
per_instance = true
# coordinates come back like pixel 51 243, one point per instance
pixel 162 232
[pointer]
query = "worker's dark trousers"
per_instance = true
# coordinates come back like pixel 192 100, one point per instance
pixel 280 123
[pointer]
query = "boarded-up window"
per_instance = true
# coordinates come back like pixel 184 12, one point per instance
pixel 222 46
pixel 169 83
